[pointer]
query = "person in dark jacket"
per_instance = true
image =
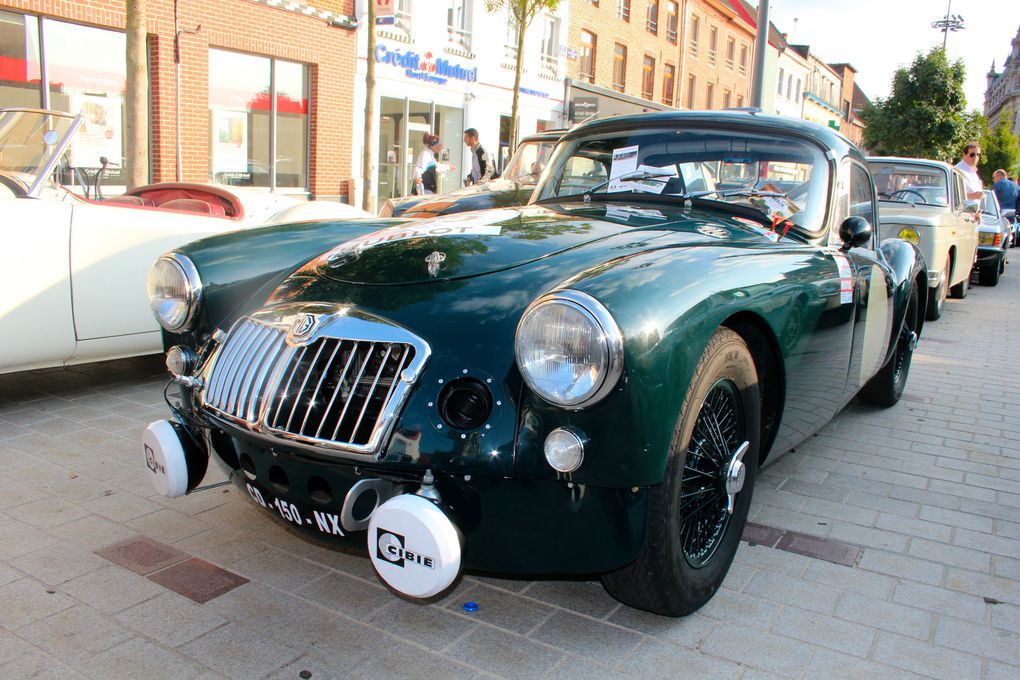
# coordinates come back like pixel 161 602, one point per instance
pixel 1005 190
pixel 482 167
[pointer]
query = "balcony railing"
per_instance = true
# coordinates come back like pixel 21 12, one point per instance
pixel 461 37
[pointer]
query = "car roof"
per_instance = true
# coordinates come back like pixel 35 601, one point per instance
pixel 749 118
pixel 901 159
pixel 544 136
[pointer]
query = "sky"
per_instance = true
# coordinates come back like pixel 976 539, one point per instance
pixel 879 36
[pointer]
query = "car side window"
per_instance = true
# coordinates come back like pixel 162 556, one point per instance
pixel 957 190
pixel 855 197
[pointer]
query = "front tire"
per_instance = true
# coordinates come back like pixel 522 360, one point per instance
pixel 886 387
pixel 691 537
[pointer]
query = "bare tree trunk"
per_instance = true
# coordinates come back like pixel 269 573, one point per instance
pixel 368 162
pixel 136 100
pixel 521 28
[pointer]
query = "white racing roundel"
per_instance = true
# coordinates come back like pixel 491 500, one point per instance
pixel 414 546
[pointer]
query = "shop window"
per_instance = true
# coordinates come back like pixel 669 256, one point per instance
pixel 94 86
pixel 648 78
pixel 620 67
pixel 258 121
pixel 20 74
pixel 589 42
pixel 668 76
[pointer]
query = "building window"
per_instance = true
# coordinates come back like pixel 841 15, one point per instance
pixel 623 9
pixel 457 23
pixel 668 76
pixel 713 38
pixel 742 68
pixel 672 18
pixel 652 16
pixel 731 49
pixel 798 91
pixel 709 95
pixel 740 101
pixel 691 84
pixel 620 67
pixel 726 96
pixel 550 44
pixel 244 89
pixel 648 78
pixel 512 34
pixel 402 16
pixel 782 75
pixel 589 42
pixel 695 25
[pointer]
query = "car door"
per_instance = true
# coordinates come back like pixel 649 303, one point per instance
pixel 112 249
pixel 35 308
pixel 968 225
pixel 872 278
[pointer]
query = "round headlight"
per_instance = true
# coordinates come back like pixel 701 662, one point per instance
pixel 909 234
pixel 175 291
pixel 569 349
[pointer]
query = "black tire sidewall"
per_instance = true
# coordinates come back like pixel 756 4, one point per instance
pixel 726 357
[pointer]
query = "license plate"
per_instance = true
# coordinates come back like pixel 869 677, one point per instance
pixel 327 523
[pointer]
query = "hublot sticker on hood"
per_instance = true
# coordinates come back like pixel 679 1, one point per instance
pixel 340 254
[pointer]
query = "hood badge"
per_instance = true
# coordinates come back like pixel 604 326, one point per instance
pixel 303 326
pixel 435 261
pixel 714 232
pixel 339 259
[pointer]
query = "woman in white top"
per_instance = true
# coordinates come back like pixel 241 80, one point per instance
pixel 427 168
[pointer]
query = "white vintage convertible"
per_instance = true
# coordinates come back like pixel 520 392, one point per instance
pixel 73 269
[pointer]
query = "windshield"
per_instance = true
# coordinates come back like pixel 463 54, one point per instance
pixel 29 143
pixel 529 161
pixel 910 183
pixel 784 177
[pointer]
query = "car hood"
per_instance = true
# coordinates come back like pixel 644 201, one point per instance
pixel 472 244
pixel 498 193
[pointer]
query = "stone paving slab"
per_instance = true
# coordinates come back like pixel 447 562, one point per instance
pixel 927 494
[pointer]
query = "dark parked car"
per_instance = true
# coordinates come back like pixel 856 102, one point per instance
pixel 584 385
pixel 514 187
pixel 994 234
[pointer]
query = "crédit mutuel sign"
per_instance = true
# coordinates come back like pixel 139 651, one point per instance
pixel 425 68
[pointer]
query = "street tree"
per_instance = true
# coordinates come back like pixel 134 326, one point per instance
pixel 925 115
pixel 368 152
pixel 136 97
pixel 999 149
pixel 522 13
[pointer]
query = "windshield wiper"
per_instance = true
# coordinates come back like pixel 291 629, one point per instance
pixel 662 176
pixel 724 193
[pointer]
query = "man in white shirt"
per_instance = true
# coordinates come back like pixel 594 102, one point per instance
pixel 968 166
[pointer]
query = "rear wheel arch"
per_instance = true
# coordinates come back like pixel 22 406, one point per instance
pixel 768 361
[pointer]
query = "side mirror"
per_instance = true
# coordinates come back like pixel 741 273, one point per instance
pixel 855 232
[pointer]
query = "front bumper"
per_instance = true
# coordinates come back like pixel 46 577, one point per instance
pixel 522 526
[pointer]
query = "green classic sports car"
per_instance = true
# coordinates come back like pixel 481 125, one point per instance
pixel 584 385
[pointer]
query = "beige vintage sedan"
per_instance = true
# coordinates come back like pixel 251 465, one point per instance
pixel 924 202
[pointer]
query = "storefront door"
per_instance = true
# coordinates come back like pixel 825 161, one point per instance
pixel 402 124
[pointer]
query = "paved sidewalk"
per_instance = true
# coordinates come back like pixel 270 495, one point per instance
pixel 930 489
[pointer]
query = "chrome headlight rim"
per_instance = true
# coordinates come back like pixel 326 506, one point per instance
pixel 194 289
pixel 612 338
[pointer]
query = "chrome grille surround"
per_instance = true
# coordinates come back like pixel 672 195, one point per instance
pixel 336 381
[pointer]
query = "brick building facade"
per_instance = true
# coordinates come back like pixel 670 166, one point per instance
pixel 231 127
pixel 718 58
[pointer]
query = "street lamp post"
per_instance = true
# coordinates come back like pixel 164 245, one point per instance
pixel 951 22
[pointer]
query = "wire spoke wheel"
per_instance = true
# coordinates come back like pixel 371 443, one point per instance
pixel 717 434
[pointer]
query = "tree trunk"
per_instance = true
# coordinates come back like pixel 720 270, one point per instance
pixel 521 28
pixel 136 99
pixel 368 152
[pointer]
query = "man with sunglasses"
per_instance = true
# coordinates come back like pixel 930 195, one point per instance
pixel 968 166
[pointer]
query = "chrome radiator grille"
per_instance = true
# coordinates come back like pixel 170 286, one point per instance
pixel 334 390
pixel 237 386
pixel 331 391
